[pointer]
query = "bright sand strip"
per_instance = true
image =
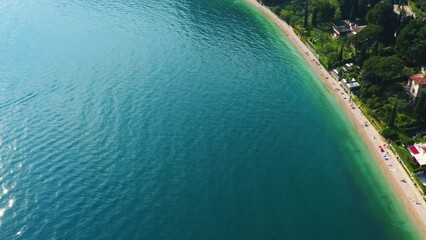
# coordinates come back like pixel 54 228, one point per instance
pixel 407 193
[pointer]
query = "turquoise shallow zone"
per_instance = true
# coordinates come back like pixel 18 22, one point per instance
pixel 174 120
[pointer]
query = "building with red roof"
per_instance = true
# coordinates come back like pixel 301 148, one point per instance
pixel 418 151
pixel 416 85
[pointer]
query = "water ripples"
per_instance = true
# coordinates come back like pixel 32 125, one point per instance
pixel 60 152
pixel 137 119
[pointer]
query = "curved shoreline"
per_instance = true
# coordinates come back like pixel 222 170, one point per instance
pixel 406 192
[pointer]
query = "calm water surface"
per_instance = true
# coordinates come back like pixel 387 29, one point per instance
pixel 174 120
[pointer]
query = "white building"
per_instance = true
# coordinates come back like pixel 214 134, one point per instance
pixel 418 152
pixel 350 86
pixel 416 85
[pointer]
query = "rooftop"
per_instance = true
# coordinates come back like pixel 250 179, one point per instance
pixel 341 23
pixel 353 85
pixel 419 79
pixel 342 26
pixel 357 28
pixel 418 151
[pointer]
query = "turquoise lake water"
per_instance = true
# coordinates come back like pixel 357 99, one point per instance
pixel 174 120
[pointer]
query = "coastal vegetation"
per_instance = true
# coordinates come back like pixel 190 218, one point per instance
pixel 386 41
pixel 379 44
pixel 418 6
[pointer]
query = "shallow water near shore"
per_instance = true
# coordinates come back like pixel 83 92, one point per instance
pixel 174 120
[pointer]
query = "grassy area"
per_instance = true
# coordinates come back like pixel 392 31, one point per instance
pixel 420 140
pixel 406 157
pixel 419 183
pixel 409 163
pixel 321 39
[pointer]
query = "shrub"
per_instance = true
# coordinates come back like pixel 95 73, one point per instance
pixel 294 20
pixel 285 15
pixel 405 121
pixel 389 133
pixel 333 60
pixel 275 9
pixel 405 140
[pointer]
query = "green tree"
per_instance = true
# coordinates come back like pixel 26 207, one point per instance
pixel 382 14
pixel 403 22
pixel 390 68
pixel 362 8
pixel 341 53
pixel 375 51
pixel 393 116
pixel 294 19
pixel 362 54
pixel 385 69
pixel 305 21
pixel 345 7
pixel 370 34
pixel 420 107
pixel 389 133
pixel 352 15
pixel 411 42
pixel 314 17
pixel 326 11
pixel 275 9
pixel 285 15
pixel 333 60
pixel 369 91
pixel 372 3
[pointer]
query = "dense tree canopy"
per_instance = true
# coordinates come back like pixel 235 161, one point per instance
pixel 369 35
pixel 362 8
pixel 382 14
pixel 345 7
pixel 411 42
pixel 382 69
pixel 421 4
pixel 333 60
pixel 326 11
pixel 420 108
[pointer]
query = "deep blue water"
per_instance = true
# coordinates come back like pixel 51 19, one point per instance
pixel 174 120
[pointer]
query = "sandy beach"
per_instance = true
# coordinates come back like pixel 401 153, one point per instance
pixel 397 177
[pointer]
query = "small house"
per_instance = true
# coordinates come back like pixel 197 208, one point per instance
pixel 345 28
pixel 350 86
pixel 341 28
